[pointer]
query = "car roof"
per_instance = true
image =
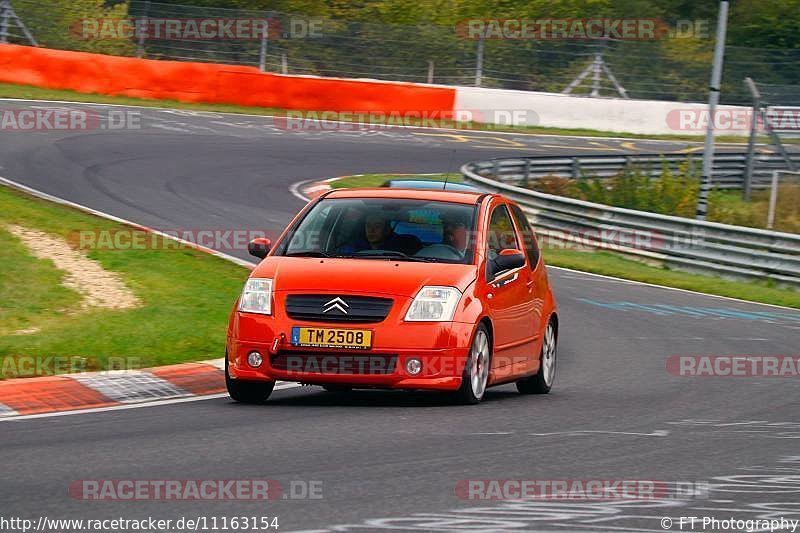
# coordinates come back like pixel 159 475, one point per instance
pixel 459 197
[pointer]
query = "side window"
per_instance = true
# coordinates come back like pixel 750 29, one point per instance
pixel 528 237
pixel 311 238
pixel 501 232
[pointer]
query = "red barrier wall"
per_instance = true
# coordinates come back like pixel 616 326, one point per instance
pixel 212 83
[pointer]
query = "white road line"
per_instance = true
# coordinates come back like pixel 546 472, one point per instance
pixel 169 128
pixel 607 527
pixel 6 411
pixel 123 407
pixel 117 407
pixel 294 188
pixel 587 432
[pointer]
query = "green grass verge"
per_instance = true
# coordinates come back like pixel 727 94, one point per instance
pixel 8 90
pixel 186 296
pixel 29 288
pixel 620 266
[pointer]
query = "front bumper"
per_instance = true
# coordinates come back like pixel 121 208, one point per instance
pixel 442 347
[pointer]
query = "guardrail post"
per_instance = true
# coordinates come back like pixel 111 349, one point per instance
pixel 479 62
pixel 691 164
pixel 143 31
pixel 262 50
pixel 751 142
pixel 576 168
pixel 713 100
pixel 526 177
pixel 5 14
pixel 773 199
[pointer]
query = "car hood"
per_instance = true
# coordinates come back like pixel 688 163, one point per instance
pixel 375 276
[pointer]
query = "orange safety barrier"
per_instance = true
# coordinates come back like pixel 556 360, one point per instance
pixel 213 83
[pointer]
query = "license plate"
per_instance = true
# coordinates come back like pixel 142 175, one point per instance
pixel 332 338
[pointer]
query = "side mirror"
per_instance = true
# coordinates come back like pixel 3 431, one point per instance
pixel 259 247
pixel 508 259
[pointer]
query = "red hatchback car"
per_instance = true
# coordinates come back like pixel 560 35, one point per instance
pixel 397 289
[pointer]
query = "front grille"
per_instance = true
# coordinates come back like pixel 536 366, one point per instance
pixel 333 308
pixel 334 363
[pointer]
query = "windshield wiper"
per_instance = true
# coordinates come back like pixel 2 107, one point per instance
pixel 390 254
pixel 364 254
pixel 309 253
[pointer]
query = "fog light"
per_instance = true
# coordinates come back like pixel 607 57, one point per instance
pixel 414 366
pixel 254 359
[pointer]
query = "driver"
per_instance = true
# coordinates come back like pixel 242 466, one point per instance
pixel 377 231
pixel 456 233
pixel 378 235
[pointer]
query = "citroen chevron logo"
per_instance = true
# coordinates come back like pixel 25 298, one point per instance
pixel 336 303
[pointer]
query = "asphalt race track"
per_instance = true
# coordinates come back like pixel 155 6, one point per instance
pixel 391 460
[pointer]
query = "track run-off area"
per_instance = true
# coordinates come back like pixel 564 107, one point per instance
pixel 395 460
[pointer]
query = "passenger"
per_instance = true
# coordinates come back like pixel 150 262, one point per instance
pixel 456 233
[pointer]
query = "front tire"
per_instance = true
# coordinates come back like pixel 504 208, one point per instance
pixel 542 382
pixel 476 370
pixel 255 392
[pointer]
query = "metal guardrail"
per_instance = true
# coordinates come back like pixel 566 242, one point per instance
pixel 728 170
pixel 708 247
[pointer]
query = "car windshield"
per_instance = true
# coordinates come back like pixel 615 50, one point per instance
pixel 384 228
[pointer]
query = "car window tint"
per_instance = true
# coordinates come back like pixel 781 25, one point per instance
pixel 313 234
pixel 501 232
pixel 427 233
pixel 528 236
pixel 431 230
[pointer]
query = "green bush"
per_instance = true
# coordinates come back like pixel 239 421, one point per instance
pixel 57 24
pixel 673 193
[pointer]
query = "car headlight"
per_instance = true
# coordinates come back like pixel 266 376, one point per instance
pixel 257 296
pixel 434 304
